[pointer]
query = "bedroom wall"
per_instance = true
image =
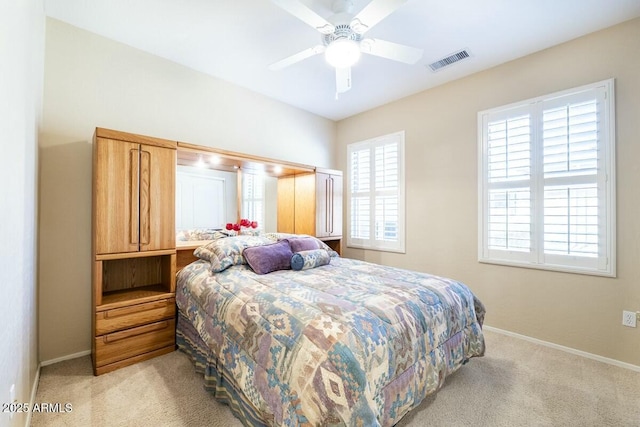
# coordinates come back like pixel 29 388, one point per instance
pixel 577 311
pixel 21 23
pixel 93 81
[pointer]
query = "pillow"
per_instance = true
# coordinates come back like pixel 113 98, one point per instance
pixel 223 253
pixel 268 258
pixel 310 259
pixel 281 236
pixel 201 234
pixel 299 244
pixel 250 232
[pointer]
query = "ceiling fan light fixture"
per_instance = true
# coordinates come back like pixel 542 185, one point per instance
pixel 342 53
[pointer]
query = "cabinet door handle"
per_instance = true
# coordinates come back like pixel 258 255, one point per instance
pixel 145 194
pixel 117 336
pixel 331 204
pixel 326 206
pixel 135 196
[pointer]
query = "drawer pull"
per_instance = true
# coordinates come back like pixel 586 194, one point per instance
pixel 117 336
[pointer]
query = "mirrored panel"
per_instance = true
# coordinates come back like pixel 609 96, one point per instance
pixel 205 198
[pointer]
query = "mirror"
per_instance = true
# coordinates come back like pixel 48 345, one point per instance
pixel 215 187
pixel 205 198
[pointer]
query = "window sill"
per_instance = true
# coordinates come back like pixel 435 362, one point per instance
pixel 554 268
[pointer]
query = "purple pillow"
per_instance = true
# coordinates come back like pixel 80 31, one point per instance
pixel 268 258
pixel 299 244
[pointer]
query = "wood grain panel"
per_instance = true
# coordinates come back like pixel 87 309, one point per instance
pixel 132 342
pixel 130 361
pixel 131 137
pixel 124 298
pixel 134 315
pixel 131 273
pixel 184 257
pixel 286 204
pixel 134 198
pixel 160 198
pixel 143 194
pixel 305 204
pixel 114 207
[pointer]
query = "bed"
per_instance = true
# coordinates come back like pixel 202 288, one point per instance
pixel 337 343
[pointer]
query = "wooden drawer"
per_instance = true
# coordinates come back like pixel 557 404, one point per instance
pixel 135 315
pixel 132 342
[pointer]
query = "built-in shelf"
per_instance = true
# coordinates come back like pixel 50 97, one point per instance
pixel 132 280
pixel 137 295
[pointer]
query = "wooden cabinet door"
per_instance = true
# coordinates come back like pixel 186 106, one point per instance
pixel 305 204
pixel 286 204
pixel 157 198
pixel 336 207
pixel 323 205
pixel 116 196
pixel 328 205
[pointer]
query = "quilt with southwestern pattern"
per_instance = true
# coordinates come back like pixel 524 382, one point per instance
pixel 346 344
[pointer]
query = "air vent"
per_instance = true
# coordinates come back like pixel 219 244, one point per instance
pixel 451 59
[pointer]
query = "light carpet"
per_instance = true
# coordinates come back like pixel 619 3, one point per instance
pixel 517 383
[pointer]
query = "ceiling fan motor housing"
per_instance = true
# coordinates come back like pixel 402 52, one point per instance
pixel 342 32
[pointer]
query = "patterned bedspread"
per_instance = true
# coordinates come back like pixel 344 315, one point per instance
pixel 350 343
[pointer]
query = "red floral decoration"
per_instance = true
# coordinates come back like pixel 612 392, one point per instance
pixel 243 223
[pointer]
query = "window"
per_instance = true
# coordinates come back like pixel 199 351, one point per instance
pixel 375 175
pixel 253 198
pixel 547 182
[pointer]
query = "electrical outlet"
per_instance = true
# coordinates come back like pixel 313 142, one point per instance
pixel 629 319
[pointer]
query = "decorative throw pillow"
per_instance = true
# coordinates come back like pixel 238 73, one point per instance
pixel 281 236
pixel 223 253
pixel 310 259
pixel 299 244
pixel 268 258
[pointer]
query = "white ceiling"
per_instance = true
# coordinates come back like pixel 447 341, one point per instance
pixel 236 40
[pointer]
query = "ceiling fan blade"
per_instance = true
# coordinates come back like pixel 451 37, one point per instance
pixel 307 53
pixel 306 15
pixel 343 80
pixel 390 50
pixel 373 13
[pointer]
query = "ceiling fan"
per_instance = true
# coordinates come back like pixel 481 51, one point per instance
pixel 342 38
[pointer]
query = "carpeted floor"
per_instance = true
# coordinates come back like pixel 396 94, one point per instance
pixel 517 383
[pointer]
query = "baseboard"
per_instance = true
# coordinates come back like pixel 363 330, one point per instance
pixel 32 398
pixel 36 381
pixel 592 356
pixel 63 358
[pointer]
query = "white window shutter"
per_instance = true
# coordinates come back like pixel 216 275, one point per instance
pixel 376 199
pixel 547 183
pixel 253 194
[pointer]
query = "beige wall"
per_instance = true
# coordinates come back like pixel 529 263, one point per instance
pixel 92 81
pixel 21 56
pixel 578 311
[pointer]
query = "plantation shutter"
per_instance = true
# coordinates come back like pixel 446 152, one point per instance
pixel 570 134
pixel 386 195
pixel 547 182
pixel 253 198
pixel 509 207
pixel 360 162
pixel 376 199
